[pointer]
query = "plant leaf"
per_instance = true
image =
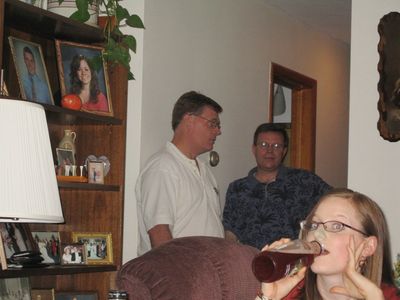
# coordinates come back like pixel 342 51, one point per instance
pixel 130 41
pixel 121 13
pixel 82 14
pixel 82 5
pixel 135 21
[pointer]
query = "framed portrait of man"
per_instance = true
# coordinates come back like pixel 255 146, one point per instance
pixel 31 71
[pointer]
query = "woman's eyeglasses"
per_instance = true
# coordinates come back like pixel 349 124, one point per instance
pixel 330 226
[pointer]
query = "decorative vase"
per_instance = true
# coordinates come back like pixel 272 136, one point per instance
pixel 68 141
pixel 68 7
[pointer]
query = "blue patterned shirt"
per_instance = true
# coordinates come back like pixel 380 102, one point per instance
pixel 259 213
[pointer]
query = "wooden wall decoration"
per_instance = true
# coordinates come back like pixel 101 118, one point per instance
pixel 389 81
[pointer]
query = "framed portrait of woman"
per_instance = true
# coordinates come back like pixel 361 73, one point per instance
pixel 83 72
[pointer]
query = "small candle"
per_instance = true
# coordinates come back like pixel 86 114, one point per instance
pixel 67 169
pixel 73 168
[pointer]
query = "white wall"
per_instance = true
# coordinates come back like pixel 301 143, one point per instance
pixel 133 135
pixel 373 162
pixel 223 49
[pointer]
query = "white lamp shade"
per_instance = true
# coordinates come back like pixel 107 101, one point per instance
pixel 28 185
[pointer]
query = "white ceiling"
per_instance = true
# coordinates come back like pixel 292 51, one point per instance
pixel 332 17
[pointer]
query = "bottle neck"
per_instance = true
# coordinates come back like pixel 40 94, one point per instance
pixel 316 247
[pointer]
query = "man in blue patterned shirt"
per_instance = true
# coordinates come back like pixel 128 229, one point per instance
pixel 271 201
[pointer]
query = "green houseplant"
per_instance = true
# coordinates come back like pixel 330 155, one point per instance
pixel 117 44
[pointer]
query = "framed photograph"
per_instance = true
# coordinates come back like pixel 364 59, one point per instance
pixel 98 246
pixel 65 157
pixel 95 172
pixel 83 72
pixel 49 246
pixel 389 81
pixel 3 89
pixel 76 296
pixel 73 254
pixel 3 259
pixel 16 237
pixel 15 288
pixel 42 294
pixel 31 71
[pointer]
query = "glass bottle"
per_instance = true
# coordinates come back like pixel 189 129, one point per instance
pixel 273 264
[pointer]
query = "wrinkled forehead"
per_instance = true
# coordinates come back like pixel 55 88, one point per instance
pixel 208 110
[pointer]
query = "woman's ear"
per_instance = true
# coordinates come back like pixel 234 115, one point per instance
pixel 370 246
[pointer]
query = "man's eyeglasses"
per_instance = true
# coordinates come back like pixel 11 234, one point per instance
pixel 330 226
pixel 212 124
pixel 265 146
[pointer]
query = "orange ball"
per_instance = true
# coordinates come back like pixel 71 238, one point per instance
pixel 71 101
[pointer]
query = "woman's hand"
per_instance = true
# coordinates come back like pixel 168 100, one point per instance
pixel 355 284
pixel 280 288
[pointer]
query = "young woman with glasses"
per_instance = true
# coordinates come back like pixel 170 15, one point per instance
pixel 357 261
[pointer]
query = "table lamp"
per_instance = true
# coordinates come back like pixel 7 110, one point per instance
pixel 28 185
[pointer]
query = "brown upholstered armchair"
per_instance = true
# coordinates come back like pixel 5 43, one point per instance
pixel 191 268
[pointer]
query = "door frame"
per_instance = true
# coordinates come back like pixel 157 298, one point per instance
pixel 303 125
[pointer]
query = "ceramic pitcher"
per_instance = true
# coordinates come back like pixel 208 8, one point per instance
pixel 68 141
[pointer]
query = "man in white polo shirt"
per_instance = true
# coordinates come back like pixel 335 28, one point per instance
pixel 177 195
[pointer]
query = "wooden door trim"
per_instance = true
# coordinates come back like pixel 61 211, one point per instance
pixel 304 98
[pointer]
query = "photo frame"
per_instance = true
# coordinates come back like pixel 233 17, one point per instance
pixel 15 288
pixel 31 71
pixel 389 81
pixel 3 89
pixel 76 296
pixel 3 259
pixel 98 246
pixel 65 157
pixel 42 294
pixel 49 245
pixel 73 254
pixel 83 71
pixel 95 172
pixel 16 238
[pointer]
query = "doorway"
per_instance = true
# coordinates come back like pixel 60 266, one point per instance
pixel 301 127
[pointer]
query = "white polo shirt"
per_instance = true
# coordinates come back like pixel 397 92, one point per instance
pixel 172 190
